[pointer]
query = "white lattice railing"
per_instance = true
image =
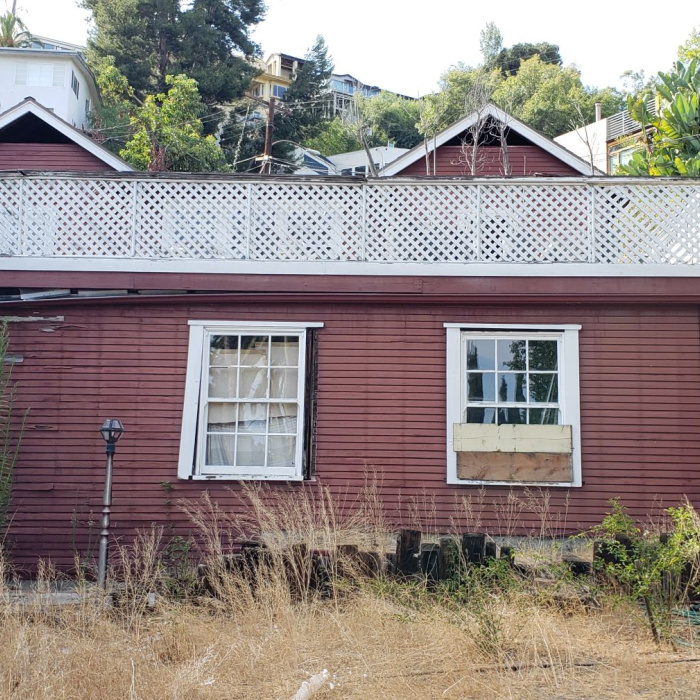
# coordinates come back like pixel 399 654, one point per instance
pixel 602 221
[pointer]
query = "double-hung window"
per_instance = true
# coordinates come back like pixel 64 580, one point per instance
pixel 246 409
pixel 513 404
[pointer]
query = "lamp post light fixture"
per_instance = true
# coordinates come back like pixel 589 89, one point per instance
pixel 111 431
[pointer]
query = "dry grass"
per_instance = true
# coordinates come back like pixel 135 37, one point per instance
pixel 377 639
pixel 372 646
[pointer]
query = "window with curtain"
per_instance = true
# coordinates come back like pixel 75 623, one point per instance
pixel 249 385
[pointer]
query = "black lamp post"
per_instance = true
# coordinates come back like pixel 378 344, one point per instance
pixel 111 431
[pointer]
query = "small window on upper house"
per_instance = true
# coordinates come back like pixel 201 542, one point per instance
pixel 74 84
pixel 513 405
pixel 248 410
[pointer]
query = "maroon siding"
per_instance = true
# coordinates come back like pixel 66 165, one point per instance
pixel 62 157
pixel 524 160
pixel 381 406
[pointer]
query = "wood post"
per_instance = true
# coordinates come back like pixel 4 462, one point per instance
pixel 490 550
pixel 408 552
pixel 473 546
pixel 430 562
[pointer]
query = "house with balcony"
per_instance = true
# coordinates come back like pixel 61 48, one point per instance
pixel 608 142
pixel 451 337
pixel 280 69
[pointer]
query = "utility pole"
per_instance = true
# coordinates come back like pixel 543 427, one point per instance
pixel 269 128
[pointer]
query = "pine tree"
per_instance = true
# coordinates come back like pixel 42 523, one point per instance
pixel 150 39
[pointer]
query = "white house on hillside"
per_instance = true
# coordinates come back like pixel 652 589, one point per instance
pixel 55 74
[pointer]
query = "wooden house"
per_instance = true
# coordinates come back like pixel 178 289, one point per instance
pixel 488 143
pixel 33 138
pixel 454 339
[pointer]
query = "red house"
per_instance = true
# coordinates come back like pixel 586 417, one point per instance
pixel 488 143
pixel 455 338
pixel 33 138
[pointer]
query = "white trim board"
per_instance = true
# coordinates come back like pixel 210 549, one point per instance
pixel 272 267
pixel 454 130
pixel 31 106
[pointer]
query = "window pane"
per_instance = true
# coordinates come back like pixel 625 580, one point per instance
pixel 544 416
pixel 280 450
pixel 223 350
pixel 253 383
pixel 250 451
pixel 511 355
pixel 544 388
pixel 509 416
pixel 481 354
pixel 223 382
pixel 511 387
pixel 481 415
pixel 283 383
pixel 222 417
pixel 481 387
pixel 284 351
pixel 252 418
pixel 543 355
pixel 221 450
pixel 283 418
pixel 254 350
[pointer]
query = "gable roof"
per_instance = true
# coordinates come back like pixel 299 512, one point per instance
pixel 31 106
pixel 454 130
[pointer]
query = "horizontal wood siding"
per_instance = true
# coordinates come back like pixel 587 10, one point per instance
pixel 524 160
pixel 381 410
pixel 61 157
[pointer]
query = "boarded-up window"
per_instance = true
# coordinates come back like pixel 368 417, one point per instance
pixel 513 405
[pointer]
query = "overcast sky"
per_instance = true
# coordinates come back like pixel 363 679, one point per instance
pixel 404 45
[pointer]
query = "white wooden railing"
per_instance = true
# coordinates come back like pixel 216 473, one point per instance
pixel 602 222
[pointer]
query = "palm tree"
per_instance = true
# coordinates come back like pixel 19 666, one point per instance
pixel 13 32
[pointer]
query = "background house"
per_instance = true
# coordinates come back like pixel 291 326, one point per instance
pixel 350 163
pixel 55 75
pixel 280 69
pixel 35 138
pixel 488 142
pixel 610 142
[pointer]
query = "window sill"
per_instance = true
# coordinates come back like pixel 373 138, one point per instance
pixel 243 477
pixel 545 484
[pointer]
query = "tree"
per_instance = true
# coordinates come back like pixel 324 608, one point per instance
pixel 550 98
pixel 391 119
pixel 463 87
pixel 508 61
pixel 167 132
pixel 690 49
pixel 335 138
pixel 13 33
pixel 306 107
pixel 150 39
pixel 669 140
pixel 490 42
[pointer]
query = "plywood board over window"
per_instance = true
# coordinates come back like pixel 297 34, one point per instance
pixel 513 405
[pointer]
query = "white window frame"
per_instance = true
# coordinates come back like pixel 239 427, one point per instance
pixel 569 392
pixel 192 451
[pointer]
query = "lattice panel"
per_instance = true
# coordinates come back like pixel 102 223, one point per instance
pixel 306 222
pixel 66 217
pixel 10 240
pixel 615 224
pixel 192 220
pixel 422 224
pixel 639 224
pixel 525 224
